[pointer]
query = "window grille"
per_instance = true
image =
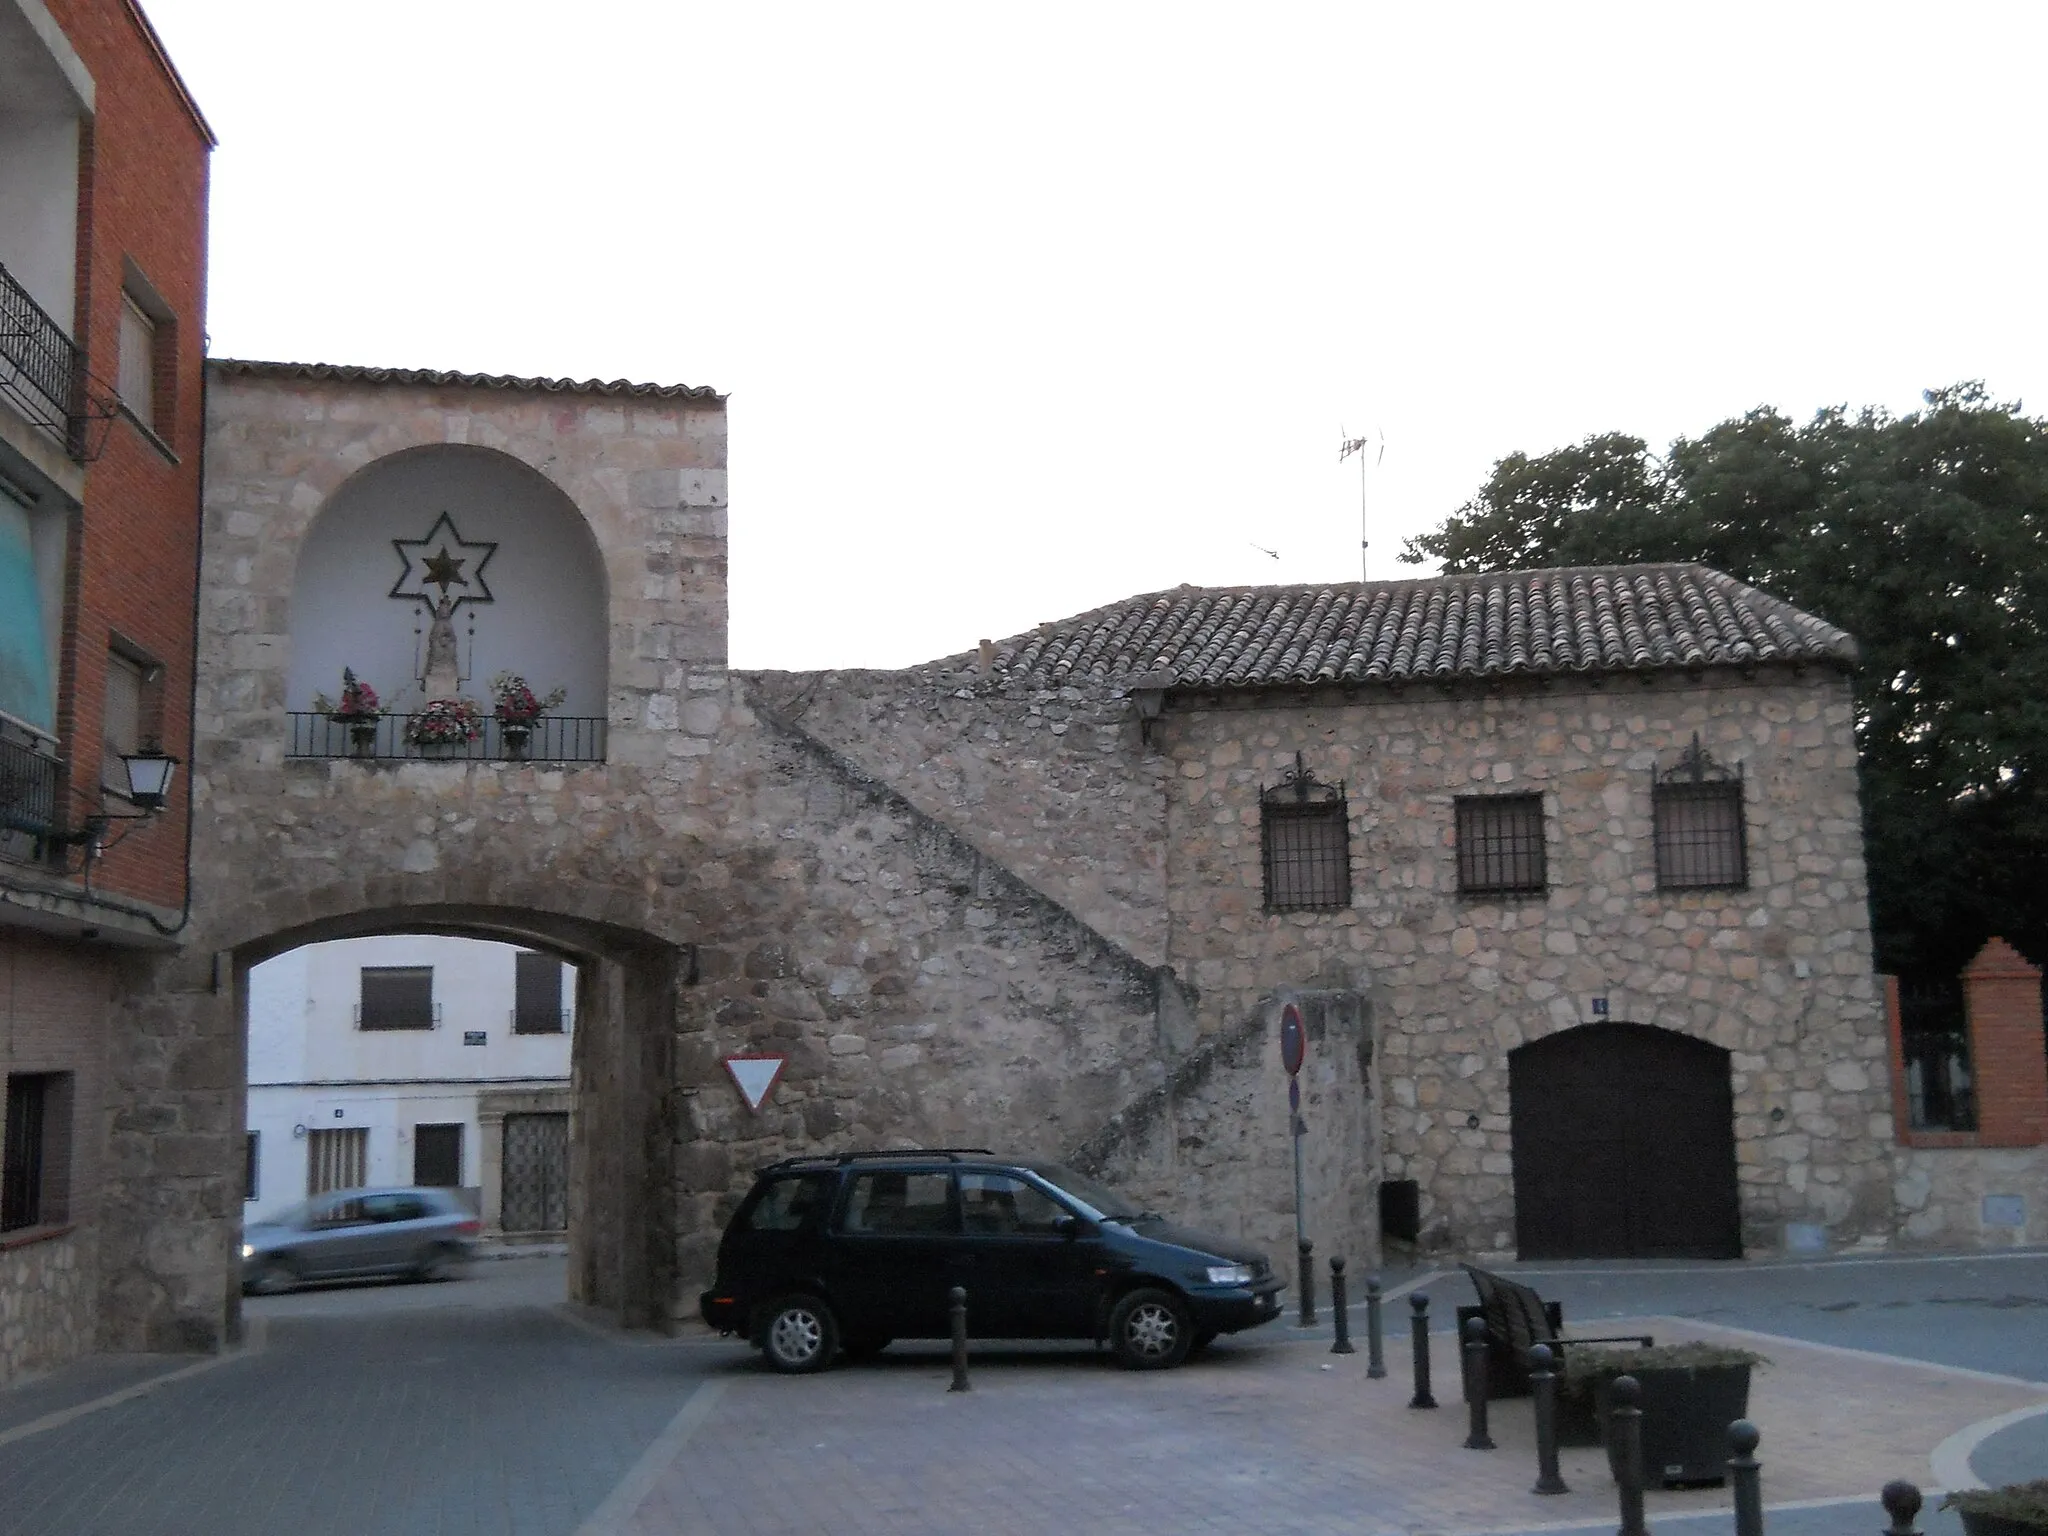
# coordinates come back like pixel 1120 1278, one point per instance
pixel 1500 844
pixel 1700 835
pixel 1934 1038
pixel 397 997
pixel 1305 843
pixel 338 1159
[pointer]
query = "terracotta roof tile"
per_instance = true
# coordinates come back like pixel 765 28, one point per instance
pixel 345 373
pixel 1437 628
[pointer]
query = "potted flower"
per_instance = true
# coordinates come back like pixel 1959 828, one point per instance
pixel 517 707
pixel 445 727
pixel 358 708
pixel 2017 1509
pixel 1691 1393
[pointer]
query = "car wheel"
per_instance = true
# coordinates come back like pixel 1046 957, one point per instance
pixel 274 1278
pixel 1149 1331
pixel 798 1335
pixel 865 1346
pixel 440 1263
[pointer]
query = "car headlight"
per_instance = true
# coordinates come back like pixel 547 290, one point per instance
pixel 248 1252
pixel 1229 1274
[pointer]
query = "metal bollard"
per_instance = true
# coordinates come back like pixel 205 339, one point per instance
pixel 1625 1434
pixel 1308 1283
pixel 1420 1330
pixel 1476 1437
pixel 1340 1313
pixel 1901 1501
pixel 1543 1387
pixel 1745 1475
pixel 1375 1349
pixel 959 1309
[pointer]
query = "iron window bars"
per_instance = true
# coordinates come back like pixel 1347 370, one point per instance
pixel 1305 843
pixel 1700 835
pixel 1500 845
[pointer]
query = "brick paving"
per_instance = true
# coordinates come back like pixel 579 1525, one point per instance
pixel 488 1406
pixel 1264 1435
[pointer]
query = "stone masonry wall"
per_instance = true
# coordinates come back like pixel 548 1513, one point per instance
pixel 1049 781
pixel 919 988
pixel 1778 973
pixel 46 1304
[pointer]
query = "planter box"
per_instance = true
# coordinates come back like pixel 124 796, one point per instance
pixel 1686 1414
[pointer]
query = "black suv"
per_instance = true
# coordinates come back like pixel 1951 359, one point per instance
pixel 846 1253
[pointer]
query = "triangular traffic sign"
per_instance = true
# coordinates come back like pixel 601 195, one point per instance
pixel 754 1076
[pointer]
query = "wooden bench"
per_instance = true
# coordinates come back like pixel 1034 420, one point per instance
pixel 1516 1320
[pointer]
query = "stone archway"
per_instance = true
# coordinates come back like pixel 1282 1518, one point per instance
pixel 622 1213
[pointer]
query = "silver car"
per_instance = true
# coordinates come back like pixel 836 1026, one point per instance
pixel 427 1234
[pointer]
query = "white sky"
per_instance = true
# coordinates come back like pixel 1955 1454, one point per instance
pixel 1027 308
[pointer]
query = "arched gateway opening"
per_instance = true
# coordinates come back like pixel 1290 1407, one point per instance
pixel 620 1213
pixel 1624 1146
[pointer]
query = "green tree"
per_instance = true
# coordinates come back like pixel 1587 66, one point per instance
pixel 1926 537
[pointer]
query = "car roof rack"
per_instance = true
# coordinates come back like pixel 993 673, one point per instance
pixel 840 1159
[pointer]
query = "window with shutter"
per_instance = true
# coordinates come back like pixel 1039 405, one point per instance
pixel 397 997
pixel 536 994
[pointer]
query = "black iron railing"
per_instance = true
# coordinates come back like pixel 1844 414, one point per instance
pixel 41 370
pixel 28 789
pixel 1934 1035
pixel 550 739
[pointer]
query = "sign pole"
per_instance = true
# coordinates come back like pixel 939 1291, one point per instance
pixel 1293 1047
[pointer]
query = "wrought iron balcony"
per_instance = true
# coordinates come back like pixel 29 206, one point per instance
pixel 550 739
pixel 41 371
pixel 29 781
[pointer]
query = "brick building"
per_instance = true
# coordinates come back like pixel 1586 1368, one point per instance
pixel 103 176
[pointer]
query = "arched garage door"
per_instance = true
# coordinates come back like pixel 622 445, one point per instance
pixel 1624 1142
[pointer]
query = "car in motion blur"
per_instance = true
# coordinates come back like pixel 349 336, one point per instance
pixel 347 1234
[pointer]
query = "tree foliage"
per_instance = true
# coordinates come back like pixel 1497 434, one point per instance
pixel 1923 535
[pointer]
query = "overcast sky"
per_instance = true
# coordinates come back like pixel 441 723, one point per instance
pixel 1023 309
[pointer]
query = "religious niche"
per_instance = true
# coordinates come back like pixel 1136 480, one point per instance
pixel 447 723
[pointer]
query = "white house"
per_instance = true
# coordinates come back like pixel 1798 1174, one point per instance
pixel 412 1059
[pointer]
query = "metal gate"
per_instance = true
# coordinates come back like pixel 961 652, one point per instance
pixel 1624 1146
pixel 337 1160
pixel 536 1197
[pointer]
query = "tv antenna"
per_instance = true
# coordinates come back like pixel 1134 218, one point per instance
pixel 1358 445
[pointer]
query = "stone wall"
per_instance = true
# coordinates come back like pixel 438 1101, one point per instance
pixel 1050 782
pixel 47 1304
pixel 1971 1197
pixel 1778 973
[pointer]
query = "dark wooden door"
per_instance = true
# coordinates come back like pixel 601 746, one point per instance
pixel 1624 1146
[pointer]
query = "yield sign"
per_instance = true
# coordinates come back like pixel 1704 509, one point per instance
pixel 754 1076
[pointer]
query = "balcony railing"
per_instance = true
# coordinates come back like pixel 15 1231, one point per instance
pixel 550 739
pixel 41 371
pixel 28 789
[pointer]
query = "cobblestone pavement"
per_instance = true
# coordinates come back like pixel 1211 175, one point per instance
pixel 488 1405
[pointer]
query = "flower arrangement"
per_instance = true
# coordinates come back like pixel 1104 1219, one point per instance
pixel 517 703
pixel 445 722
pixel 358 705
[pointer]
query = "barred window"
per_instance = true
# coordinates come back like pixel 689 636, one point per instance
pixel 1697 809
pixel 1700 836
pixel 1500 844
pixel 1305 843
pixel 397 997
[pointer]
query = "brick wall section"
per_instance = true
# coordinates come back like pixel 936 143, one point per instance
pixel 2002 994
pixel 143 199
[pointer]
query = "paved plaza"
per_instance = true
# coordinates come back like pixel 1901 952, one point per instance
pixel 490 1405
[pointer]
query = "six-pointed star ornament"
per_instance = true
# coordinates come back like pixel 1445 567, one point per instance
pixel 443 559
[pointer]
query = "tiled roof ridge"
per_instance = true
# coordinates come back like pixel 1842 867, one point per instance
pixel 353 373
pixel 1577 619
